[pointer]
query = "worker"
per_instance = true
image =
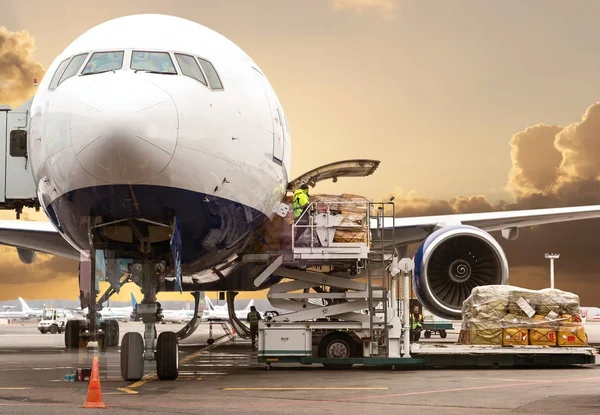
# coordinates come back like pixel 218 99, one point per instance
pixel 253 317
pixel 416 324
pixel 301 201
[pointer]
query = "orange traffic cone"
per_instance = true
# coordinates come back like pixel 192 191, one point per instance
pixel 94 395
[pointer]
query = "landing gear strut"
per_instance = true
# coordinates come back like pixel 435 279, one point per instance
pixel 79 332
pixel 135 350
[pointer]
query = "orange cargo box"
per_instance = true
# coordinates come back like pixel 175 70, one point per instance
pixel 542 337
pixel 515 337
pixel 572 336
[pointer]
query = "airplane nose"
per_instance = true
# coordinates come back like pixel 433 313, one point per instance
pixel 124 129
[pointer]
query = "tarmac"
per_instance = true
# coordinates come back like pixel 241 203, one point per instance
pixel 226 378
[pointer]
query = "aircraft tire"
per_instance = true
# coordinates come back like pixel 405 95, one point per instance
pixel 72 334
pixel 132 356
pixel 111 333
pixel 167 356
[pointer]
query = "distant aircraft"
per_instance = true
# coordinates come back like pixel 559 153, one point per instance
pixel 221 313
pixel 156 141
pixel 31 312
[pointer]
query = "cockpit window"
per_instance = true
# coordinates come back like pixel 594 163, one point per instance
pixel 103 62
pixel 157 62
pixel 73 67
pixel 189 67
pixel 211 74
pixel 58 74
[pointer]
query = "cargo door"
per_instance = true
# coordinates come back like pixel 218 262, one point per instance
pixel 278 144
pixel 19 178
pixel 345 168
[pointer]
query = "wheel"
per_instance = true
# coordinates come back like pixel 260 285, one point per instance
pixel 167 356
pixel 427 334
pixel 111 333
pixel 72 334
pixel 132 356
pixel 43 331
pixel 210 341
pixel 54 329
pixel 337 345
pixel 443 334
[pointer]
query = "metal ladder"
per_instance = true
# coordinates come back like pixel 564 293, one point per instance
pixel 380 256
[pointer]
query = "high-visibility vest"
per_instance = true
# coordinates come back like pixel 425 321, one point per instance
pixel 300 201
pixel 253 317
pixel 414 323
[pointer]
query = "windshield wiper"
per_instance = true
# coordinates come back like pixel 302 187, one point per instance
pixel 156 72
pixel 93 73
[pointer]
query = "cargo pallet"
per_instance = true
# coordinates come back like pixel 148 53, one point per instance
pixel 353 318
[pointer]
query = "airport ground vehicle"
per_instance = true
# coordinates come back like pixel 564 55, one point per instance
pixel 339 334
pixel 53 321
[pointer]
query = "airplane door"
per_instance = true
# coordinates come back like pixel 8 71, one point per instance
pixel 278 144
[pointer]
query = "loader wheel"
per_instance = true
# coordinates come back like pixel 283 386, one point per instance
pixel 337 345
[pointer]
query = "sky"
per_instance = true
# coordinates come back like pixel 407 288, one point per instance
pixel 469 105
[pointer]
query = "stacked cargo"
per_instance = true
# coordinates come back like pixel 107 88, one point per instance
pixel 348 213
pixel 511 316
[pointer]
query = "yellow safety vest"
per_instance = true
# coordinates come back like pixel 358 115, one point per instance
pixel 253 317
pixel 300 201
pixel 415 322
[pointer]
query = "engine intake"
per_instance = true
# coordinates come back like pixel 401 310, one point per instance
pixel 451 262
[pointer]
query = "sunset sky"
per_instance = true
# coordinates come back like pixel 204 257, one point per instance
pixel 466 103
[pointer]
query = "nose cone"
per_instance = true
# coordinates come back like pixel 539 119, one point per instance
pixel 124 129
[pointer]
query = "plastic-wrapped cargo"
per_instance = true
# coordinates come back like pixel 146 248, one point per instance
pixel 513 316
pixel 348 213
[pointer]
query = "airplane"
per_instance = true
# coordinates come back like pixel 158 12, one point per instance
pixel 221 313
pixel 154 140
pixel 31 312
pixel 13 314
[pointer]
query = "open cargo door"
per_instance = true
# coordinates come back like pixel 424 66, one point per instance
pixel 346 168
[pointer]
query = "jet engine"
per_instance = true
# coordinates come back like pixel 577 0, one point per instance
pixel 451 262
pixel 26 256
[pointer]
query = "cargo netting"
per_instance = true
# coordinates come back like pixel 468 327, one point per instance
pixel 512 316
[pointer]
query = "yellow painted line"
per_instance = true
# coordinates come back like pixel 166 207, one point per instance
pixel 127 390
pixel 13 389
pixel 307 389
pixel 200 378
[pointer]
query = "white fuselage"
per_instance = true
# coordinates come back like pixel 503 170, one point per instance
pixel 123 144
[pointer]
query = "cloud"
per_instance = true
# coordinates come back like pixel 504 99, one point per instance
pixel 385 8
pixel 536 160
pixel 18 67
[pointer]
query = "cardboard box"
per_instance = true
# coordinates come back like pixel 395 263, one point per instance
pixel 515 337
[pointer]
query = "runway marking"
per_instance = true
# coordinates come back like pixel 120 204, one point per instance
pixel 309 389
pixel 128 391
pixel 153 376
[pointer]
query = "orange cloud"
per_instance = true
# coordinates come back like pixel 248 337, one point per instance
pixel 18 68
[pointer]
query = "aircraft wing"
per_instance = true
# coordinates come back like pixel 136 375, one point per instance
pixel 36 236
pixel 415 229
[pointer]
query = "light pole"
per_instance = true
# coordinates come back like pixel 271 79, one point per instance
pixel 552 257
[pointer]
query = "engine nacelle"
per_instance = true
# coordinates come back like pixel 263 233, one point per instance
pixel 451 262
pixel 26 256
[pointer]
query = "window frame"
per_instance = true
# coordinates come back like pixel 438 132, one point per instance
pixel 11 147
pixel 205 83
pixel 81 66
pixel 87 61
pixel 56 77
pixel 132 51
pixel 222 88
